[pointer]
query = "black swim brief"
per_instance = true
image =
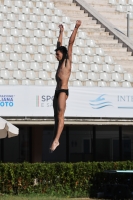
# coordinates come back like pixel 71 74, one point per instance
pixel 57 92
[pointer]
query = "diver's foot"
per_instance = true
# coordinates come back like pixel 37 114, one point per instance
pixel 54 146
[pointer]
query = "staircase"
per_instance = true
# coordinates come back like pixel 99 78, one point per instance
pixel 119 19
pixel 95 32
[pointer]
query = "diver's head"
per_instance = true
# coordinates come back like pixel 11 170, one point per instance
pixel 61 53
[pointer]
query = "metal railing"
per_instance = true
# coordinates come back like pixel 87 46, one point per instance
pixel 128 25
pixel 122 38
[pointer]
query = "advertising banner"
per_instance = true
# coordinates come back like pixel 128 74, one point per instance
pixel 37 101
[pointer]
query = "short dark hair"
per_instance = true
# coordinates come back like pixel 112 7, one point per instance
pixel 63 50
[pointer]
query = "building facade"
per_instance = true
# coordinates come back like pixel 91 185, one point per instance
pixel 77 143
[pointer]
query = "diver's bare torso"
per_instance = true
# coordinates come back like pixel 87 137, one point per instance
pixel 63 74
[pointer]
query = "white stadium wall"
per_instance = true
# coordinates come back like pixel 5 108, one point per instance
pixel 37 101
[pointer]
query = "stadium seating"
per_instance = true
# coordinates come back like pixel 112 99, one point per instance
pixel 3 82
pixel 48 67
pixel 119 69
pixel 117 77
pixel 128 77
pixel 84 67
pixel 17 74
pixel 77 51
pixel 93 76
pixel 31 75
pixel 113 2
pixel 51 82
pixel 75 67
pixel 121 8
pixel 82 76
pixel 89 51
pixel 96 68
pixel 27 82
pixel 28 38
pixel 35 66
pixel 108 68
pixel 114 84
pixel 19 3
pixel 11 65
pixel 102 84
pixel 77 83
pixel 126 84
pixel 90 84
pixel 105 77
pixel 23 66
pixel 98 60
pixel 72 77
pixel 13 82
pixel 44 75
pixel 5 74
pixel 39 82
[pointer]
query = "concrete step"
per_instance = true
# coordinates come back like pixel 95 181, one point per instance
pixel 98 33
pixel 67 7
pixel 96 29
pixel 117 20
pixel 116 53
pixel 103 2
pixel 101 37
pixel 76 14
pixel 127 65
pixel 123 27
pixel 106 42
pixel 121 22
pixel 115 49
pixel 103 45
pixel 88 26
pixel 66 3
pixel 84 20
pixel 124 58
pixel 91 26
pixel 125 32
pixel 103 8
pixel 128 69
pixel 60 1
pixel 114 16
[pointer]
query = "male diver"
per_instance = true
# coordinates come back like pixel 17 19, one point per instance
pixel 64 57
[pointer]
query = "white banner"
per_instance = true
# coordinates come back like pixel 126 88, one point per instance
pixel 37 101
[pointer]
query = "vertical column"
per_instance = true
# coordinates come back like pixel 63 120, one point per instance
pixel 120 143
pixel 37 136
pixel 67 143
pixel 2 150
pixel 30 144
pixel 94 144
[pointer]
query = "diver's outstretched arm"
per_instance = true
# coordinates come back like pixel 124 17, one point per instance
pixel 72 39
pixel 59 42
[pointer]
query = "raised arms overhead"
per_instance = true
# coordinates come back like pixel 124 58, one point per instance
pixel 59 42
pixel 72 39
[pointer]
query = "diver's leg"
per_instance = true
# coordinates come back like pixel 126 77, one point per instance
pixel 60 118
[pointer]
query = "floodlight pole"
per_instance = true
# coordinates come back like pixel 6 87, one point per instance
pixel 128 24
